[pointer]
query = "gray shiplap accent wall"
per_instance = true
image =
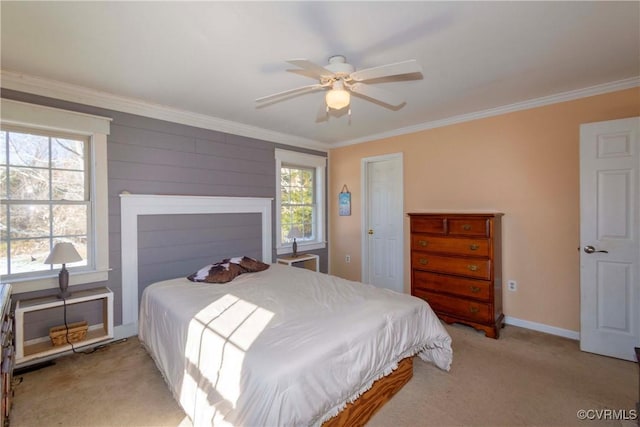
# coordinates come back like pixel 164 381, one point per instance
pixel 177 245
pixel 149 156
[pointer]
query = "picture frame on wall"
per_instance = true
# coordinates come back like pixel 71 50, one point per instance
pixel 344 202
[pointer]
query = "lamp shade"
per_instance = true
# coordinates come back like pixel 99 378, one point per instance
pixel 63 253
pixel 337 98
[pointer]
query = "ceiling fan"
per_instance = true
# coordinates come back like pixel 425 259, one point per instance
pixel 341 78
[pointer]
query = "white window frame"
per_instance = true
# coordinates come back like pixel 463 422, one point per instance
pixel 96 128
pixel 319 163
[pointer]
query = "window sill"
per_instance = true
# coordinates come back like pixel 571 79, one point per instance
pixel 302 247
pixel 23 285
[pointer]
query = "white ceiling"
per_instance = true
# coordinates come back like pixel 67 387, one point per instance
pixel 206 62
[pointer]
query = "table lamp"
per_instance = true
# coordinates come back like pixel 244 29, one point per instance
pixel 293 234
pixel 63 253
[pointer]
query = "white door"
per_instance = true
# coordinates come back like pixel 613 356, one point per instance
pixel 609 235
pixel 382 245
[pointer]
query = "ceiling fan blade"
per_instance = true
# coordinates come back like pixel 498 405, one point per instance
pixel 395 69
pixel 296 91
pixel 313 69
pixel 377 94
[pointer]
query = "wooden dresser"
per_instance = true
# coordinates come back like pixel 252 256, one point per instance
pixel 456 266
pixel 8 357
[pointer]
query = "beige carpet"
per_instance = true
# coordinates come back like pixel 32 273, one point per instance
pixel 524 378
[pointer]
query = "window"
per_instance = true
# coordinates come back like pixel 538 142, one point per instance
pixel 297 203
pixel 52 189
pixel 43 186
pixel 300 205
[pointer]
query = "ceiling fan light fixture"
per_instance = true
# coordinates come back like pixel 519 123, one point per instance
pixel 337 98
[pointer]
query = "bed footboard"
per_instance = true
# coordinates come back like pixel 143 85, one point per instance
pixel 357 414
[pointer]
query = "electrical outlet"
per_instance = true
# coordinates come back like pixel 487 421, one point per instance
pixel 347 259
pixel 512 285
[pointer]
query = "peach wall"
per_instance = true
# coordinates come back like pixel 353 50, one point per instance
pixel 524 164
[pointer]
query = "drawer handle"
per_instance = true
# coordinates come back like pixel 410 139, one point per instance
pixel 473 309
pixel 423 243
pixel 474 247
pixel 472 267
pixel 475 289
pixel 423 261
pixel 466 227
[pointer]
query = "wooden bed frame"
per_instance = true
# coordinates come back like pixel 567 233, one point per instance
pixel 354 414
pixel 357 414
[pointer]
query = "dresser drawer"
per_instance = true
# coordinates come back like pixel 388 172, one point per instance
pixel 466 309
pixel 458 246
pixel 428 225
pixel 470 267
pixel 471 288
pixel 468 227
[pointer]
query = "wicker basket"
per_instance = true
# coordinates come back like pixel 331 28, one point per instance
pixel 77 332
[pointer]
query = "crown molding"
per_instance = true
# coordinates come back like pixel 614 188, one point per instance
pixel 73 93
pixel 518 106
pixel 82 95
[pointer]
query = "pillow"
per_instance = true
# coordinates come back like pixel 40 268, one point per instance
pixel 252 265
pixel 217 273
pixel 227 270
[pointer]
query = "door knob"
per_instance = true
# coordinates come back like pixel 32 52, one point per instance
pixel 370 231
pixel 590 249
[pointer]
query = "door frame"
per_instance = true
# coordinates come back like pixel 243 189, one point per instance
pixel 364 163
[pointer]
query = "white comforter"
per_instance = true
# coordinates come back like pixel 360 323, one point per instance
pixel 285 346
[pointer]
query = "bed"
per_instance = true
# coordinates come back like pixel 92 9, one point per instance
pixel 284 346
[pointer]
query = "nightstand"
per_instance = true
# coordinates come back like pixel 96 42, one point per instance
pixel 40 348
pixel 309 261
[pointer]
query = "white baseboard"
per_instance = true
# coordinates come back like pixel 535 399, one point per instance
pixel 541 327
pixel 125 331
